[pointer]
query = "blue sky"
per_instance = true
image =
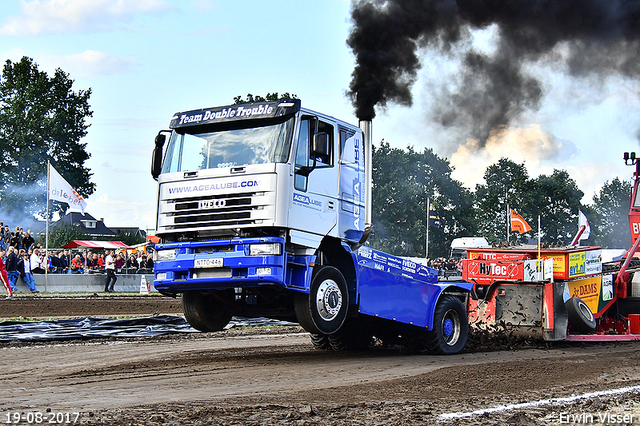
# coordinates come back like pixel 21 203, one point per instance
pixel 146 59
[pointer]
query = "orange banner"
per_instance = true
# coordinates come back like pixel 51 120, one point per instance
pixel 518 223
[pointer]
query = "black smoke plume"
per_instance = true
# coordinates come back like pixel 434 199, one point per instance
pixel 580 38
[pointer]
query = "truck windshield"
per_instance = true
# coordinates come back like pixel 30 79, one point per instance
pixel 228 148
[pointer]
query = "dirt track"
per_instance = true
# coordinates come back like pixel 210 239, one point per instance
pixel 274 376
pixel 51 306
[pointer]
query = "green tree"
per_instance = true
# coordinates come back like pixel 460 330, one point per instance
pixel 41 118
pixel 557 199
pixel 402 182
pixel 129 238
pixel 257 98
pixel 506 184
pixel 610 221
pixel 62 234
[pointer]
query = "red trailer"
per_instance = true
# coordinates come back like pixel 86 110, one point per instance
pixel 559 293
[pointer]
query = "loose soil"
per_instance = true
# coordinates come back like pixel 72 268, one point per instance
pixel 272 375
pixel 90 305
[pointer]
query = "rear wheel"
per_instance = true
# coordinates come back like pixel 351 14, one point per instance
pixel 320 341
pixel 450 327
pixel 352 336
pixel 324 309
pixel 204 311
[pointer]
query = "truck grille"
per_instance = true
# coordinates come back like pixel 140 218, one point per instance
pixel 228 210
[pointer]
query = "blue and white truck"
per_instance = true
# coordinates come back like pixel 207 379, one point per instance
pixel 264 210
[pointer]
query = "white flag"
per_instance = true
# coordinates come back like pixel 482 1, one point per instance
pixel 60 190
pixel 582 221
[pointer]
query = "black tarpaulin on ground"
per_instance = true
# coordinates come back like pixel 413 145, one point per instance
pixel 86 328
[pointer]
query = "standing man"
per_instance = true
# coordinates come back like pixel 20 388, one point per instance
pixel 12 269
pixel 7 235
pixel 24 268
pixel 110 269
pixel 4 278
pixel 65 261
pixel 27 240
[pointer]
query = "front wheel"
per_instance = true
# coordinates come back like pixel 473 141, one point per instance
pixel 324 309
pixel 450 327
pixel 204 311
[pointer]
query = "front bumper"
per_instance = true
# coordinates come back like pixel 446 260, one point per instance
pixel 219 264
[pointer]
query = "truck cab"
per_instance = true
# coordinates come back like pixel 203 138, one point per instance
pixel 225 169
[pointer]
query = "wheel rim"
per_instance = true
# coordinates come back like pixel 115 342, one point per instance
pixel 586 311
pixel 451 327
pixel 329 300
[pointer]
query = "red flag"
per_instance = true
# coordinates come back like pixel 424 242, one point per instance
pixel 518 223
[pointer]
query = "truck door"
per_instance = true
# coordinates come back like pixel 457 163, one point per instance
pixel 314 203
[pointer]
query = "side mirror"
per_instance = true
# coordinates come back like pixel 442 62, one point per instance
pixel 320 151
pixel 156 156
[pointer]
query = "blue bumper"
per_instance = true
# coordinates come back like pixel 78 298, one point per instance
pixel 219 264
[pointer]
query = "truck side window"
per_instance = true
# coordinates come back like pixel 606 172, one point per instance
pixel 326 160
pixel 302 154
pixel 302 151
pixel 347 147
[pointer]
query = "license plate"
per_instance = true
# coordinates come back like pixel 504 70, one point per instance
pixel 208 263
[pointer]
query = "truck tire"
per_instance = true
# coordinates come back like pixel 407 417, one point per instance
pixel 580 316
pixel 320 341
pixel 324 309
pixel 204 312
pixel 352 336
pixel 450 327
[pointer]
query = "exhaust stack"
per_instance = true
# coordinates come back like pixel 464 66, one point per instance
pixel 365 126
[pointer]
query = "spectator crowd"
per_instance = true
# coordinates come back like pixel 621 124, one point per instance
pixel 446 267
pixel 22 257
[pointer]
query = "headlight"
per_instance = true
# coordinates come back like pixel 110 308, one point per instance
pixel 265 249
pixel 161 276
pixel 163 255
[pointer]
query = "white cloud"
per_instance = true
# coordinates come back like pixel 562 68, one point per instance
pixel 73 16
pixel 203 5
pixel 539 150
pixel 91 63
pixel 591 177
pixel 122 211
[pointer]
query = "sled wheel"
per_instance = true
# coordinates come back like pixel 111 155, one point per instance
pixel 324 309
pixel 320 341
pixel 204 312
pixel 450 327
pixel 580 316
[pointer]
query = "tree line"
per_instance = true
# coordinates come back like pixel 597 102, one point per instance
pixel 403 180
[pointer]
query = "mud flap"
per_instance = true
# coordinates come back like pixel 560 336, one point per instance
pixel 556 319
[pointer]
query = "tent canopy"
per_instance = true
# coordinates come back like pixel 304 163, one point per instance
pixel 111 245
